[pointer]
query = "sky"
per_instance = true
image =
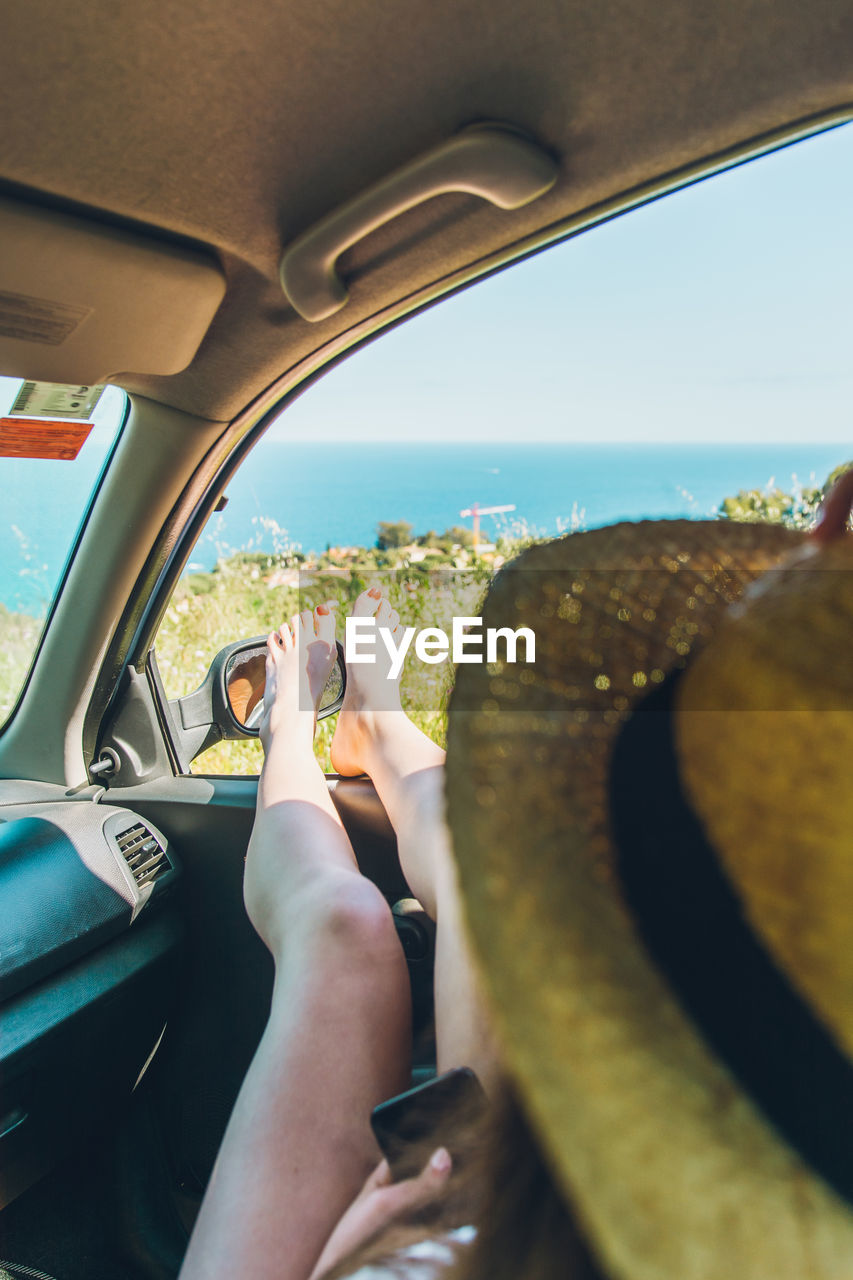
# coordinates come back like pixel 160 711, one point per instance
pixel 720 313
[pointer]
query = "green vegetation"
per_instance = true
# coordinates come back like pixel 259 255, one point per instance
pixel 240 599
pixel 391 535
pixel 427 578
pixel 775 506
pixel 19 635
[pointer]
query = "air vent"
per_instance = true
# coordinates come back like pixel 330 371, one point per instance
pixel 143 853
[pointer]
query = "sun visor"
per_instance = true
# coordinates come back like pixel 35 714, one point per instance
pixel 81 301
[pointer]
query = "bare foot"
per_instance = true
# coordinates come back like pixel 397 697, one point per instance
pixel 299 660
pixel 370 690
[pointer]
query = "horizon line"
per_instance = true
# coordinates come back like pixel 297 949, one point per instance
pixel 627 440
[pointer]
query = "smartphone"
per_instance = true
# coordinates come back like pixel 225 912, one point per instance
pixel 439 1113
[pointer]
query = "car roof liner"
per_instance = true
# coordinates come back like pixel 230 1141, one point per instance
pixel 241 128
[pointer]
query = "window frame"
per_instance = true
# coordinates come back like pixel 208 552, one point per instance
pixel 136 635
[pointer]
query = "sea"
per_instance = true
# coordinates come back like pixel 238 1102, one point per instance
pixel 307 495
pixel 336 495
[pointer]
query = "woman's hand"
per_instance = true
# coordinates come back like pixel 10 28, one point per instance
pixel 834 516
pixel 380 1203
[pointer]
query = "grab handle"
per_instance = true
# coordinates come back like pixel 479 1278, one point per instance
pixel 490 161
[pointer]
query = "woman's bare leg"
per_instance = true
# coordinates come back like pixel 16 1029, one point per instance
pixel 299 1145
pixel 375 736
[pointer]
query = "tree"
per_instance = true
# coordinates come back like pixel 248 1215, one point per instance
pixel 393 533
pixel 458 535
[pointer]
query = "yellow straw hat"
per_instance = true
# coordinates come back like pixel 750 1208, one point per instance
pixel 654 829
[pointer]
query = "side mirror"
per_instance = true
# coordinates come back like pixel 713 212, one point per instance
pixel 245 682
pixel 229 702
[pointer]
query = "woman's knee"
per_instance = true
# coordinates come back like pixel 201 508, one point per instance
pixel 344 916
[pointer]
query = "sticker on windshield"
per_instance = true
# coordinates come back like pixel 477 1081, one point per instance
pixel 55 400
pixel 38 438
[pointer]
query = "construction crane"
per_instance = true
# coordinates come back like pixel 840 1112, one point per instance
pixel 476 511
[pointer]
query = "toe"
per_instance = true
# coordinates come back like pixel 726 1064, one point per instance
pixel 383 613
pixel 367 603
pixel 306 624
pixel 324 623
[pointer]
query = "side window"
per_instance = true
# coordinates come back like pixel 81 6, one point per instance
pixel 54 443
pixel 690 358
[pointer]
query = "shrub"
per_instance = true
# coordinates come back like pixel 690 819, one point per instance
pixel 392 534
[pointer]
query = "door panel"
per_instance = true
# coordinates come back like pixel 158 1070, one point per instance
pixel 90 943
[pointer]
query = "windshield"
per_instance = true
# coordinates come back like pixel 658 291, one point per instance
pixel 54 443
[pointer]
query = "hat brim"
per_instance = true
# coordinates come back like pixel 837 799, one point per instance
pixel 672 1171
